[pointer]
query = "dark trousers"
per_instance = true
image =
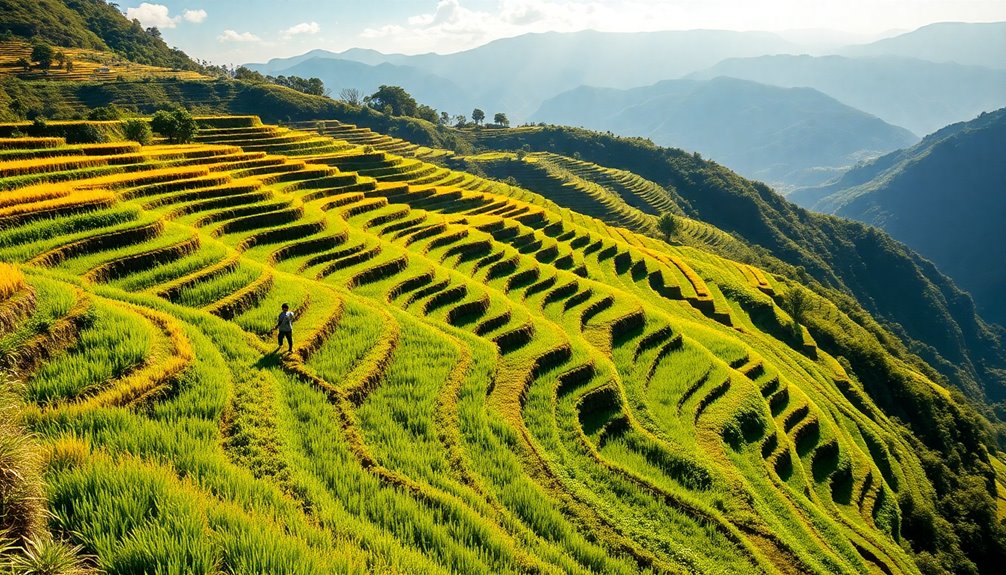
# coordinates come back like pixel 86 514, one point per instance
pixel 289 338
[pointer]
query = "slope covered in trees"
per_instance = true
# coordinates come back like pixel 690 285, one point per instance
pixel 943 198
pixel 92 24
pixel 483 382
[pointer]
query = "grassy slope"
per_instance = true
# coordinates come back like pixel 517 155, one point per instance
pixel 516 387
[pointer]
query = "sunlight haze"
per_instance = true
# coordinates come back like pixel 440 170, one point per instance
pixel 230 31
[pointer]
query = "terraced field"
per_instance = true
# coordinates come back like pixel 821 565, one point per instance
pixel 482 382
pixel 88 66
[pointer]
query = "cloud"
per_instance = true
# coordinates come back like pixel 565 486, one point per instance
pixel 233 36
pixel 302 29
pixel 152 15
pixel 194 16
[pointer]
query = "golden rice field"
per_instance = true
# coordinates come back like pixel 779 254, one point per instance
pixel 481 382
pixel 88 66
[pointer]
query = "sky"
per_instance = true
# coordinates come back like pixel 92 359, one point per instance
pixel 242 31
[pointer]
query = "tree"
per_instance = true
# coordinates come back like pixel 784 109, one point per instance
pixel 69 65
pixel 138 131
pixel 667 225
pixel 177 126
pixel 60 58
pixel 445 118
pixel 248 75
pixel 424 112
pixel 351 96
pixel 500 119
pixel 797 302
pixel 24 64
pixel 478 116
pixel 395 97
pixel 460 121
pixel 43 54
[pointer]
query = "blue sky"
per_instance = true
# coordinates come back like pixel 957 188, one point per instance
pixel 238 31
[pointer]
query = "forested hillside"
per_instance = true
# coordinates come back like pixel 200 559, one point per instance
pixel 953 181
pixel 93 24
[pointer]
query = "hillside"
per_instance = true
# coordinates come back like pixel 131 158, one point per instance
pixel 482 382
pixel 894 284
pixel 93 24
pixel 919 95
pixel 512 75
pixel 952 181
pixel 976 44
pixel 786 137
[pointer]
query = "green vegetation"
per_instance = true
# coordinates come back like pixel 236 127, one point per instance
pixel 93 24
pixel 483 381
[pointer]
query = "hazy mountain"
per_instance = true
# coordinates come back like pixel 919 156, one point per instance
pixel 981 44
pixel 945 197
pixel 427 88
pixel 921 96
pixel 515 75
pixel 788 137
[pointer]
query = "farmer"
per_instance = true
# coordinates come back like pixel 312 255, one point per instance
pixel 285 327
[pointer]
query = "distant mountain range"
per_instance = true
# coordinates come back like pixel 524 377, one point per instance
pixel 977 44
pixel 921 81
pixel 786 137
pixel 919 95
pixel 944 197
pixel 515 75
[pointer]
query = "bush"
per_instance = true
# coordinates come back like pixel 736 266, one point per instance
pixel 138 131
pixel 87 134
pixel 105 113
pixel 177 126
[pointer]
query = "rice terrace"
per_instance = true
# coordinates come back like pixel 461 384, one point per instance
pixel 529 349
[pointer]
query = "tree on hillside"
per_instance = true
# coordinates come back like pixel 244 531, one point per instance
pixel 137 131
pixel 395 97
pixel 24 64
pixel 445 118
pixel 351 96
pixel 248 75
pixel 43 54
pixel 177 126
pixel 460 121
pixel 500 119
pixel 667 225
pixel 478 116
pixel 797 302
pixel 428 113
pixel 60 58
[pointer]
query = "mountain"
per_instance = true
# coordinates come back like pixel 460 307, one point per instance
pixel 89 24
pixel 918 95
pixel 944 197
pixel 427 88
pixel 786 137
pixel 515 75
pixel 979 44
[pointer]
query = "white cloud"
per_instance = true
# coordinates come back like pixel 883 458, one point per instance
pixel 302 29
pixel 233 36
pixel 194 16
pixel 152 15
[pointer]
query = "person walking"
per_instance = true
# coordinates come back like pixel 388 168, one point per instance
pixel 284 325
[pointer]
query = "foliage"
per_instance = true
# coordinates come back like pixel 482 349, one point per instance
pixel 500 119
pixel 105 113
pixel 400 102
pixel 477 116
pixel 43 54
pixel 177 126
pixel 138 131
pixel 667 225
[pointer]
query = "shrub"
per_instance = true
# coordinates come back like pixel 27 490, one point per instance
pixel 87 134
pixel 137 131
pixel 177 126
pixel 104 113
